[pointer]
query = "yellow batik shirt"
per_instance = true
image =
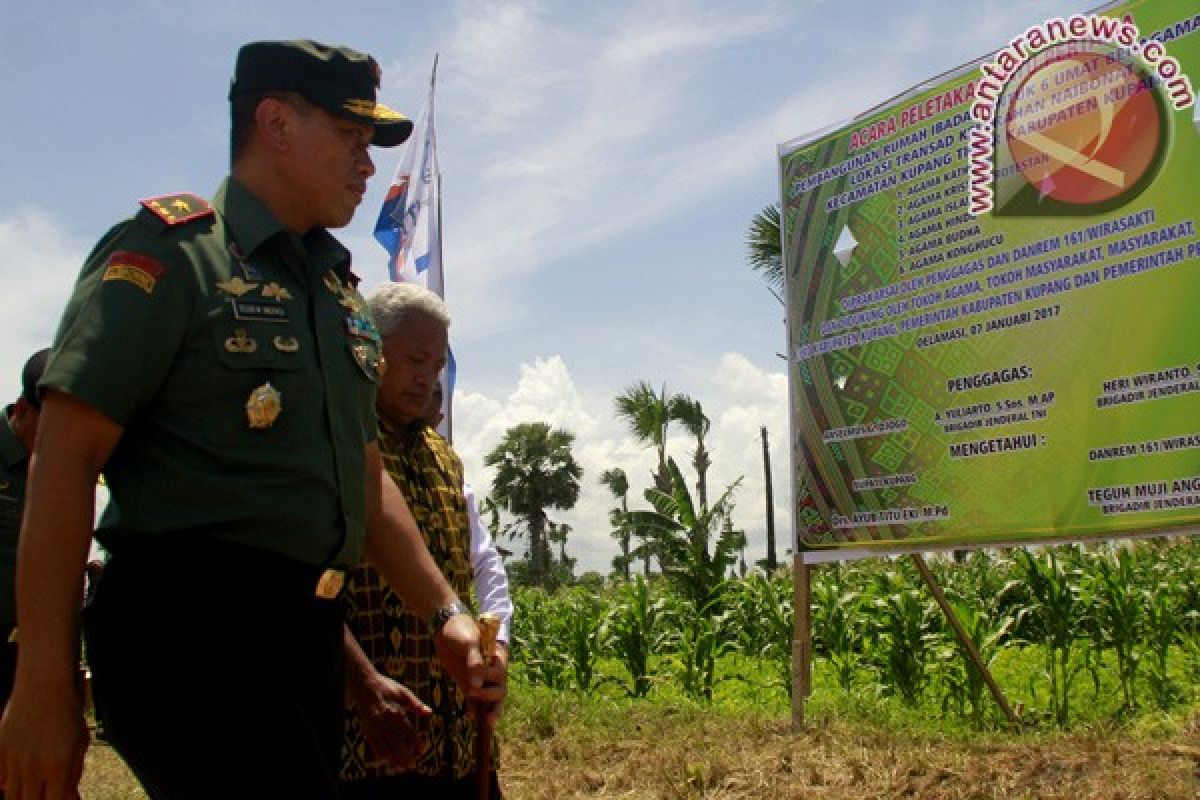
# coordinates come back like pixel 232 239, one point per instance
pixel 396 640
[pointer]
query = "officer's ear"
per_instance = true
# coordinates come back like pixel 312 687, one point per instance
pixel 274 120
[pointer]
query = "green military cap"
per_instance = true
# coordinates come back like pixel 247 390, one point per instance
pixel 340 80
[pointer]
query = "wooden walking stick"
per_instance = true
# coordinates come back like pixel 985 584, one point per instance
pixel 489 628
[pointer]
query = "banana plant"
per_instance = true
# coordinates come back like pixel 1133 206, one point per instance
pixel 682 535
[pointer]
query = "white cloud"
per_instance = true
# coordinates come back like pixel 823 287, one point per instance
pixel 738 398
pixel 38 266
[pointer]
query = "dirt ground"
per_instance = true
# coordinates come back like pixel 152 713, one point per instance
pixel 717 759
pixel 689 756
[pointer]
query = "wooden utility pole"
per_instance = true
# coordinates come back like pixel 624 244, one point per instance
pixel 772 561
pixel 801 639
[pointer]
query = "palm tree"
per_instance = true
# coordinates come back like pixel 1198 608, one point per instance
pixel 618 483
pixel 535 470
pixel 648 414
pixel 690 414
pixel 764 245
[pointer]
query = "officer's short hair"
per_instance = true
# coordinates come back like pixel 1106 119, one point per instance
pixel 31 374
pixel 391 303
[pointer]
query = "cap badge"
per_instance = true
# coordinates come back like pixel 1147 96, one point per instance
pixel 263 406
pixel 369 108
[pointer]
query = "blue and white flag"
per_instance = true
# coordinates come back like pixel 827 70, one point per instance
pixel 410 225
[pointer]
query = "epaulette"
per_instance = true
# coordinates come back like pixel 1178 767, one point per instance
pixel 177 209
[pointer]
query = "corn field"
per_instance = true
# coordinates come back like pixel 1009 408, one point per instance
pixel 1113 628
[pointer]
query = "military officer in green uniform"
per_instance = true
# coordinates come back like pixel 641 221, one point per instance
pixel 18 427
pixel 217 363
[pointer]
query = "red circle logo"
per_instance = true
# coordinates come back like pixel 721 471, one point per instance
pixel 1083 128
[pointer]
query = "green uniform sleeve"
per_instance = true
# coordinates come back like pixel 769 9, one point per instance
pixel 129 312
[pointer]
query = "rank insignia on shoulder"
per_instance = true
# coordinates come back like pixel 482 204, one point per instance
pixel 176 209
pixel 140 270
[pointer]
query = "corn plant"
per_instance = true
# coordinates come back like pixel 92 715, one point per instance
pixel 963 685
pixel 764 621
pixel 630 632
pixel 698 638
pixel 582 620
pixel 537 640
pixel 905 629
pixel 1053 589
pixel 838 620
pixel 1118 609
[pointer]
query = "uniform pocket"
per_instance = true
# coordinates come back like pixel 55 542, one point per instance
pixel 258 380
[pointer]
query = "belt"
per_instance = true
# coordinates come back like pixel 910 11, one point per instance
pixel 330 584
pixel 216 563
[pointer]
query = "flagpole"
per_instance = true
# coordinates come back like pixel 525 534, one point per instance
pixel 438 169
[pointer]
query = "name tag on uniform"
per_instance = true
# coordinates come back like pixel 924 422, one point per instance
pixel 259 311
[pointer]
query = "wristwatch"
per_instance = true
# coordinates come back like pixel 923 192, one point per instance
pixel 443 615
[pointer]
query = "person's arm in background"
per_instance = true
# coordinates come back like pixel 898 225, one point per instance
pixel 43 737
pixel 491 580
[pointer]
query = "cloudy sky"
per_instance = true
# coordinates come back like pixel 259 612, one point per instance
pixel 601 162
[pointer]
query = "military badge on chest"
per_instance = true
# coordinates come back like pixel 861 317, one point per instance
pixel 264 406
pixel 366 343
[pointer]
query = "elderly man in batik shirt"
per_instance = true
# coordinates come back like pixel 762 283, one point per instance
pixel 398 745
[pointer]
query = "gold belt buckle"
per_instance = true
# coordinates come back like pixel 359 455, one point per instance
pixel 330 583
